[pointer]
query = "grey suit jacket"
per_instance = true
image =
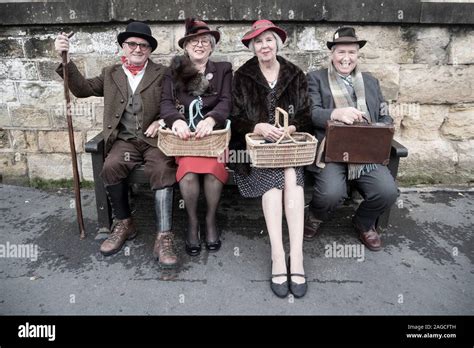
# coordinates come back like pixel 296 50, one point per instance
pixel 322 102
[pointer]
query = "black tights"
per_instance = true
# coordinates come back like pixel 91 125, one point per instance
pixel 190 187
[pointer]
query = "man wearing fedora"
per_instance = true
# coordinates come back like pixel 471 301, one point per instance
pixel 132 92
pixel 342 93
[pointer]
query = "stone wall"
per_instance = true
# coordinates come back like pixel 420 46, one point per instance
pixel 426 73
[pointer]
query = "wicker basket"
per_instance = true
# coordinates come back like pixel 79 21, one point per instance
pixel 295 150
pixel 212 145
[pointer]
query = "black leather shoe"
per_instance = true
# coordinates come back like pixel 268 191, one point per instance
pixel 281 290
pixel 298 290
pixel 192 250
pixel 214 246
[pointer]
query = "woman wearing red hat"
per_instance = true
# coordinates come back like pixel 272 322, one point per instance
pixel 197 83
pixel 263 83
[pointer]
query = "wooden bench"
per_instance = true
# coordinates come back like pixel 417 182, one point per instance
pixel 104 213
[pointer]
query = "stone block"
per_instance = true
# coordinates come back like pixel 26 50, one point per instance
pixel 13 164
pixel 11 48
pixel 29 117
pixel 400 11
pixel 98 116
pixel 87 172
pixel 465 167
pixel 251 10
pixel 459 124
pixel 24 141
pixel 430 45
pixel 41 93
pixel 167 10
pixel 383 43
pixel 460 49
pixel 58 141
pixel 425 124
pixel 4 117
pixel 47 12
pixel 94 64
pixel 427 84
pixel 433 161
pixel 4 139
pixel 47 70
pixel 8 93
pixel 388 76
pixel 230 38
pixel 16 69
pixel 306 40
pixel 41 47
pixel 163 34
pixel 51 166
pixel 82 113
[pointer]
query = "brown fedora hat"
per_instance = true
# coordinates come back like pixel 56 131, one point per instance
pixel 259 27
pixel 196 27
pixel 345 35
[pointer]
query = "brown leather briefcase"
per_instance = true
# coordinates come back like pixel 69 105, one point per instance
pixel 359 142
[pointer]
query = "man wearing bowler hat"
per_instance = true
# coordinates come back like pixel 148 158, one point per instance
pixel 132 92
pixel 342 93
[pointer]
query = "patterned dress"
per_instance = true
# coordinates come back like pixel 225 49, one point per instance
pixel 261 180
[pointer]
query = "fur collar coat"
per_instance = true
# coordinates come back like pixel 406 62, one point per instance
pixel 250 95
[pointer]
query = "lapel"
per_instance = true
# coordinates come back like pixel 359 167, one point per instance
pixel 369 100
pixel 151 74
pixel 120 79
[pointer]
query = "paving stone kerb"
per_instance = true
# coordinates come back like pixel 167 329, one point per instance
pixel 420 52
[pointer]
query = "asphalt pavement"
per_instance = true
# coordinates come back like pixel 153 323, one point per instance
pixel 425 267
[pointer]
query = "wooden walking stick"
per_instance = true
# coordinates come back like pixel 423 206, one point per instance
pixel 77 184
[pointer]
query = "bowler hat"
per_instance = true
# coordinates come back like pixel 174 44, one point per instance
pixel 259 27
pixel 195 27
pixel 345 35
pixel 137 29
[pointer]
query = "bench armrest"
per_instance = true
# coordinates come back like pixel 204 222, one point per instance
pixel 96 144
pixel 397 150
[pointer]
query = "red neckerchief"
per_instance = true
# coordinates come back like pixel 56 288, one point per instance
pixel 134 69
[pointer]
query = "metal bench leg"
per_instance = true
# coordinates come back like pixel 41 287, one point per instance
pixel 104 213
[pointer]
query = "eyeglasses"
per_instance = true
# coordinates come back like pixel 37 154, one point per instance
pixel 204 42
pixel 134 45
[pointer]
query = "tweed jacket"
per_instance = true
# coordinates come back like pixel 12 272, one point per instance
pixel 112 85
pixel 322 102
pixel 250 99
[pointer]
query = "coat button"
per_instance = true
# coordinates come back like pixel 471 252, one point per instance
pixel 109 126
pixel 122 101
pixel 117 115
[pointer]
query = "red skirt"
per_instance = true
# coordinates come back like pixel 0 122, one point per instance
pixel 201 165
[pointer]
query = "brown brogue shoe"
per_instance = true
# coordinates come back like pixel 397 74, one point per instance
pixel 164 250
pixel 311 226
pixel 123 230
pixel 371 239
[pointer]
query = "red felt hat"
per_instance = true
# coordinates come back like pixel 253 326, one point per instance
pixel 259 27
pixel 196 27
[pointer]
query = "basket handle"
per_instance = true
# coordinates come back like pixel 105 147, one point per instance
pixel 286 133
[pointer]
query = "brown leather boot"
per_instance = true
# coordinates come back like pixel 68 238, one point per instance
pixel 371 239
pixel 164 250
pixel 311 226
pixel 122 231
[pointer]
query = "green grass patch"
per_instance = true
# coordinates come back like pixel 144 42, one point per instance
pixel 43 184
